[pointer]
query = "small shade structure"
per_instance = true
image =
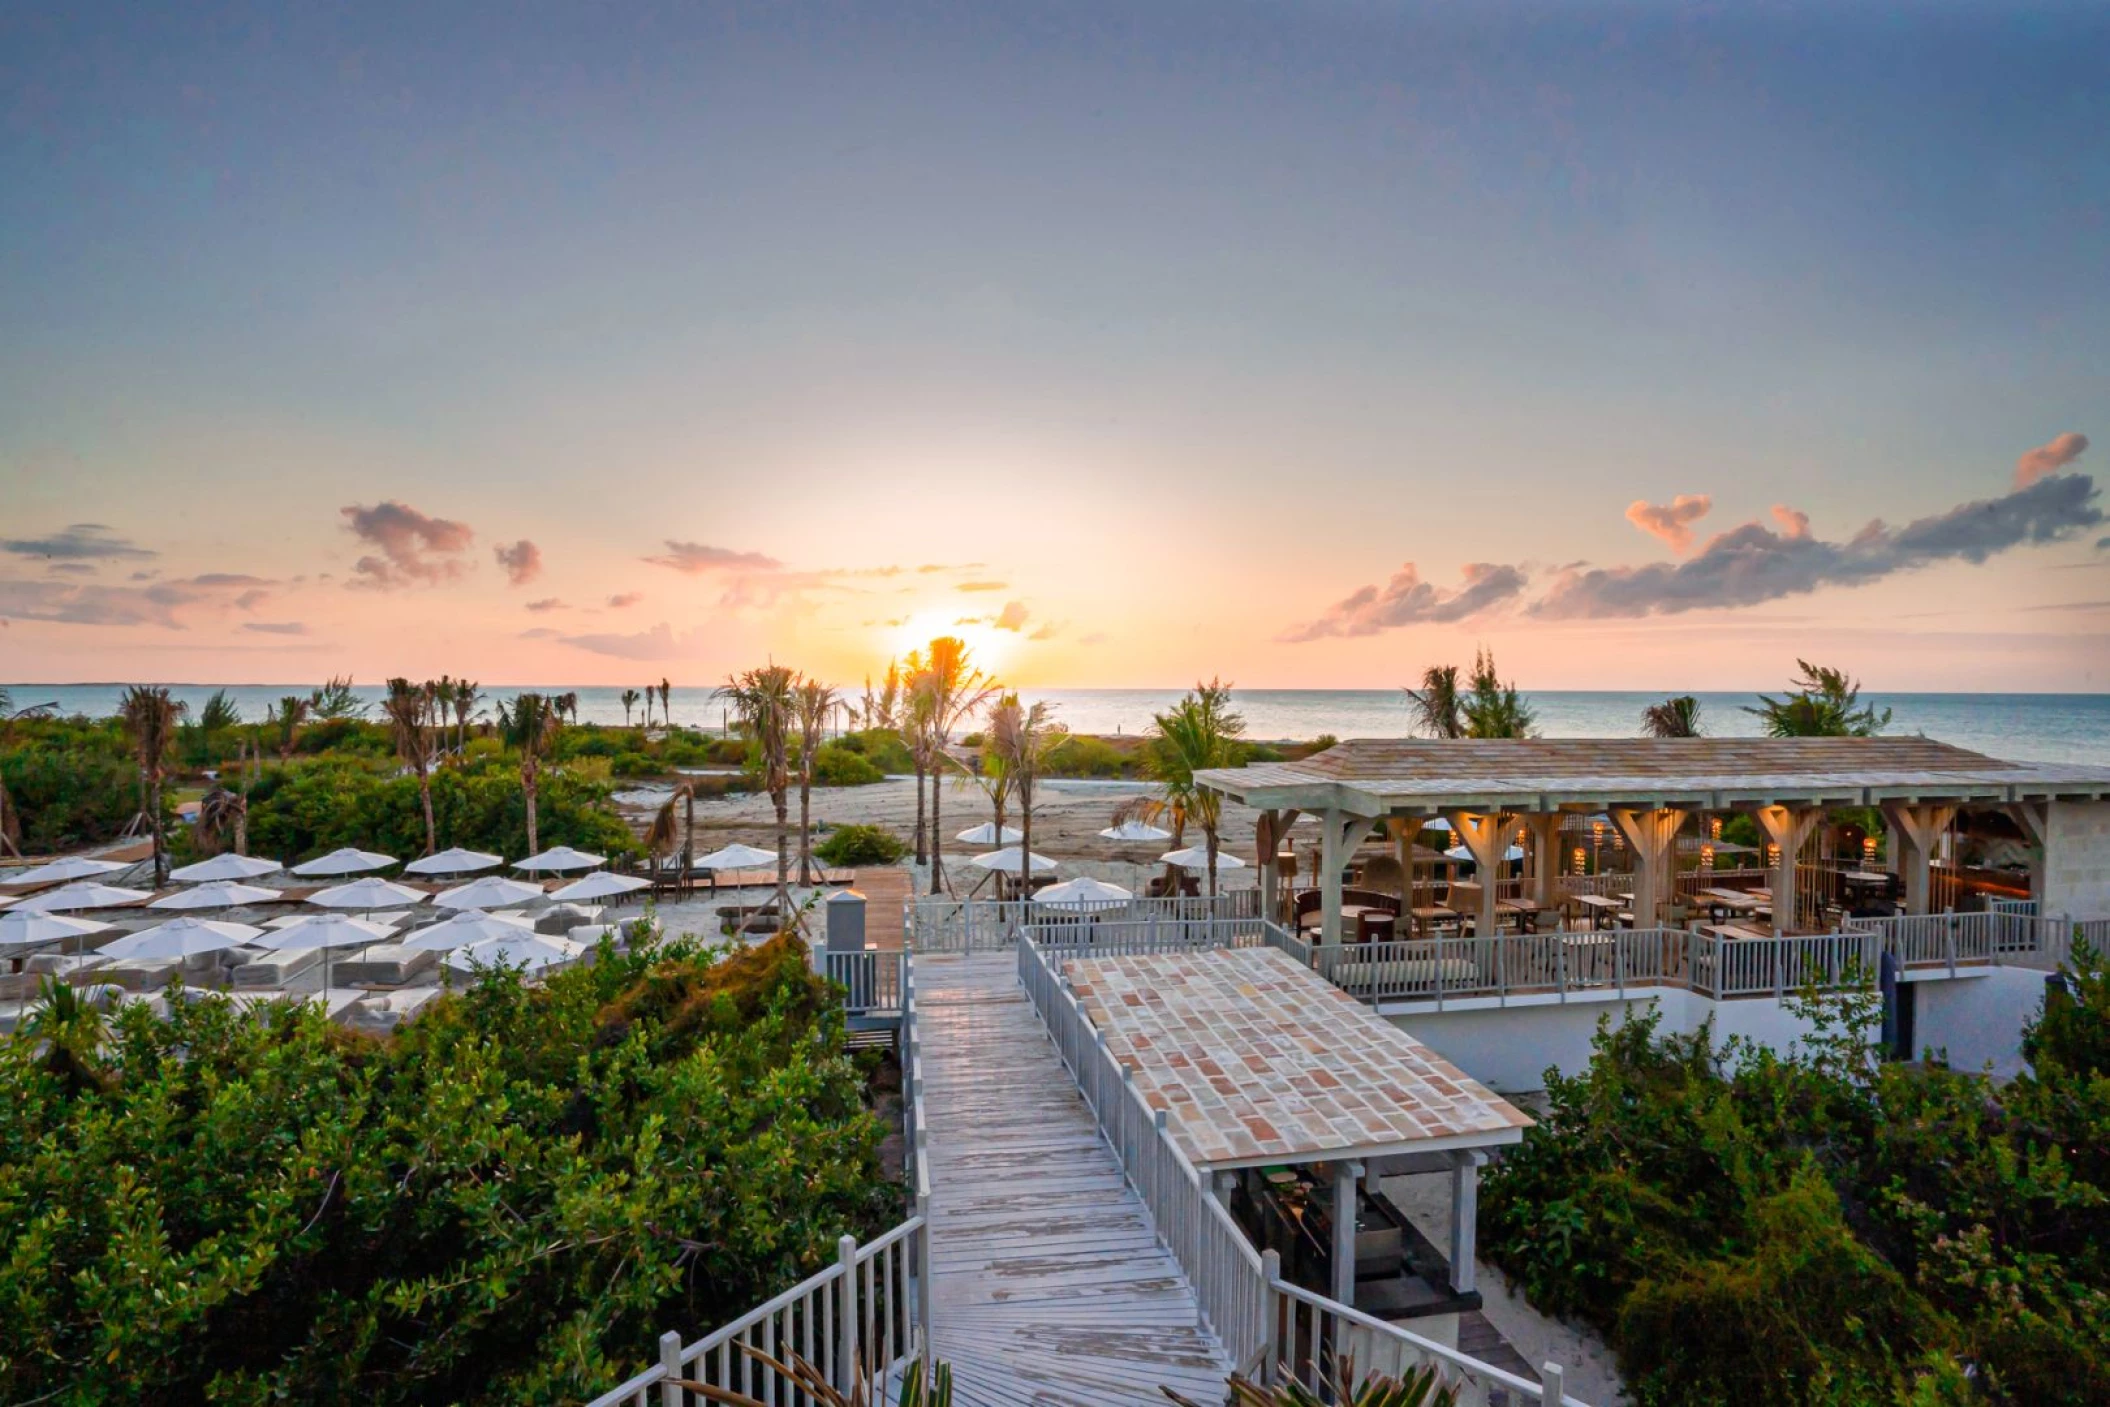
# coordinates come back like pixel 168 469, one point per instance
pixel 557 860
pixel 85 895
pixel 1081 893
pixel 1136 831
pixel 179 938
pixel 464 929
pixel 737 857
pixel 218 894
pixel 599 886
pixel 987 834
pixel 1007 861
pixel 1196 857
pixel 367 894
pixel 531 951
pixel 490 892
pixel 455 861
pixel 66 869
pixel 224 867
pixel 29 929
pixel 343 862
pixel 324 931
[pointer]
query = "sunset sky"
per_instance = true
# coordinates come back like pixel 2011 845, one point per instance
pixel 1302 344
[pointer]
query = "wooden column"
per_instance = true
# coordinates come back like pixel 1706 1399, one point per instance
pixel 1787 827
pixel 2032 817
pixel 1336 829
pixel 1265 843
pixel 1545 857
pixel 1405 831
pixel 1485 836
pixel 1653 837
pixel 1465 1218
pixel 1345 1178
pixel 1918 827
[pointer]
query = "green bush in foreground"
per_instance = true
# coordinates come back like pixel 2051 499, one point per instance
pixel 507 1202
pixel 1825 1229
pixel 861 845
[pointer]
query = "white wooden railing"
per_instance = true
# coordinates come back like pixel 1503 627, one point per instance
pixel 1268 1327
pixel 859 1321
pixel 942 925
pixel 872 981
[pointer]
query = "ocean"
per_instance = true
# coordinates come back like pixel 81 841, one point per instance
pixel 2070 728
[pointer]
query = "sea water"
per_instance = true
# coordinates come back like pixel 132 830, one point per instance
pixel 2070 728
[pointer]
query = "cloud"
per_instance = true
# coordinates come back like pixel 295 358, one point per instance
pixel 414 548
pixel 1047 632
pixel 547 603
pixel 1794 523
pixel 695 558
pixel 275 627
pixel 1012 617
pixel 541 632
pixel 71 569
pixel 1408 600
pixel 2049 458
pixel 159 604
pixel 625 599
pixel 658 643
pixel 983 585
pixel 1097 637
pixel 1752 564
pixel 522 561
pixel 1670 521
pixel 79 542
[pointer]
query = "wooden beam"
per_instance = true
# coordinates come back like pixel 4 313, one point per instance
pixel 1483 835
pixel 1545 829
pixel 1653 837
pixel 1335 830
pixel 1787 827
pixel 1919 827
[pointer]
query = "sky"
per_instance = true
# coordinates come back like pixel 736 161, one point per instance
pixel 1304 345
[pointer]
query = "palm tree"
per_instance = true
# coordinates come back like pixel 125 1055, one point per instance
pixel 764 703
pixel 150 719
pixel 957 689
pixel 1826 704
pixel 223 815
pixel 1438 706
pixel 1494 709
pixel 1677 717
pixel 10 823
pixel 291 713
pixel 408 709
pixel 666 703
pixel 648 707
pixel 912 722
pixel 466 698
pixel 813 701
pixel 1199 732
pixel 335 700
pixel 72 1033
pixel 1020 741
pixel 530 726
pixel 630 698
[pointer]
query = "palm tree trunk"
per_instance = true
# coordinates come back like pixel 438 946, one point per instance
pixel 1210 832
pixel 1025 837
pixel 937 829
pixel 161 861
pixel 425 800
pixel 805 829
pixel 783 856
pixel 241 828
pixel 688 834
pixel 527 787
pixel 922 856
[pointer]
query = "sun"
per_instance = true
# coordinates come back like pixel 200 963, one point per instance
pixel 991 647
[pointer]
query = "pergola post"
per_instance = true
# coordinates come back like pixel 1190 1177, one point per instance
pixel 1264 846
pixel 1345 1177
pixel 1545 829
pixel 1787 827
pixel 1653 837
pixel 1406 830
pixel 1482 835
pixel 1919 827
pixel 2032 817
pixel 1335 829
pixel 1465 1218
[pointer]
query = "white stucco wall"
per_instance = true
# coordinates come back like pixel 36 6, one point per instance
pixel 1977 1021
pixel 2077 859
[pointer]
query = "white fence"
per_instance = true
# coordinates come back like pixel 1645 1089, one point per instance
pixel 873 981
pixel 941 925
pixel 859 1321
pixel 1268 1327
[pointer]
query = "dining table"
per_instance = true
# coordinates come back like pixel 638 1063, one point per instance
pixel 1604 909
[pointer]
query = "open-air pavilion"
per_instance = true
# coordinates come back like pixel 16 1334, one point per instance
pixel 1492 792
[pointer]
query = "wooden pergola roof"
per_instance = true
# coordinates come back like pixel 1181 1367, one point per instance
pixel 1413 776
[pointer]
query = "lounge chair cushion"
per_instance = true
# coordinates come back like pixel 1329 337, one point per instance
pixel 383 965
pixel 267 967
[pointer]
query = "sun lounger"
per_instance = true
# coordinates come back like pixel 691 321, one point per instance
pixel 137 974
pixel 381 1013
pixel 560 919
pixel 274 968
pixel 383 965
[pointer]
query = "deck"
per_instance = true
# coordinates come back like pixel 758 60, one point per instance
pixel 1048 1283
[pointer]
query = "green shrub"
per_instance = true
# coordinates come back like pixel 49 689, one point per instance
pixel 1086 756
pixel 507 1202
pixel 884 748
pixel 636 764
pixel 861 845
pixel 837 766
pixel 312 807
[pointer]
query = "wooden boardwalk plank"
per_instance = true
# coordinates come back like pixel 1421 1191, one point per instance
pixel 1049 1288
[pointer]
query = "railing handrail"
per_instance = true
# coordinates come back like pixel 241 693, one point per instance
pixel 1455 1358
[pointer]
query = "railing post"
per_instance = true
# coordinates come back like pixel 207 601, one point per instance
pixel 1552 1384
pixel 1780 968
pixel 1948 938
pixel 923 1295
pixel 670 1393
pixel 846 1307
pixel 1270 1315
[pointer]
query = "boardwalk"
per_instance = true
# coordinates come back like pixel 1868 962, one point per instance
pixel 887 891
pixel 1048 1284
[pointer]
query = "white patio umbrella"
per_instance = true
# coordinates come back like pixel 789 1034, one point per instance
pixel 1196 857
pixel 1082 892
pixel 532 951
pixel 987 834
pixel 455 861
pixel 219 894
pixel 558 859
pixel 85 895
pixel 65 868
pixel 461 930
pixel 490 892
pixel 26 928
pixel 1007 861
pixel 179 938
pixel 228 866
pixel 324 931
pixel 599 886
pixel 343 862
pixel 737 857
pixel 1136 830
pixel 367 894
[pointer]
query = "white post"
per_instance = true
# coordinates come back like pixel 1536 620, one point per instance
pixel 1465 1218
pixel 1552 1384
pixel 1330 859
pixel 923 1281
pixel 1345 1178
pixel 846 1305
pixel 1270 1315
pixel 670 1369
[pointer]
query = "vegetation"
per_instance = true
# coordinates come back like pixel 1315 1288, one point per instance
pixel 1825 703
pixel 150 717
pixel 506 1202
pixel 952 689
pixel 765 706
pixel 1823 1228
pixel 1485 707
pixel 529 725
pixel 1673 718
pixel 861 845
pixel 1020 742
pixel 1421 1387
pixel 1199 732
pixel 812 703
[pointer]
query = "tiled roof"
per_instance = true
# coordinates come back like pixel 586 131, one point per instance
pixel 1259 1060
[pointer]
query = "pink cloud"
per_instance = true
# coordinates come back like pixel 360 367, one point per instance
pixel 522 561
pixel 2049 458
pixel 414 548
pixel 695 558
pixel 1408 600
pixel 1672 521
pixel 1794 523
pixel 624 599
